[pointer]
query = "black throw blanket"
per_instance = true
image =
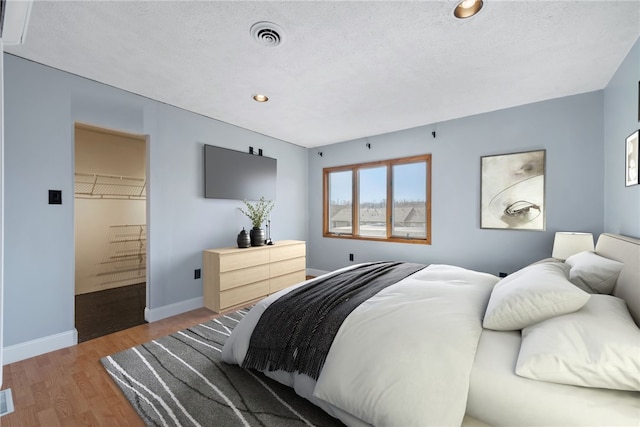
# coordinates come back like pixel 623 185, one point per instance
pixel 295 332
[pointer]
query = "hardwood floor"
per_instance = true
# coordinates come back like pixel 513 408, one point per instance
pixel 69 387
pixel 112 310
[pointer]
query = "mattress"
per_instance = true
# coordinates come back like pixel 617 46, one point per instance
pixel 497 396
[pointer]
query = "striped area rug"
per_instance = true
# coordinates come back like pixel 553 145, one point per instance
pixel 180 380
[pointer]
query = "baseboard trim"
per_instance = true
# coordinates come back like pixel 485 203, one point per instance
pixel 316 273
pixel 25 350
pixel 154 314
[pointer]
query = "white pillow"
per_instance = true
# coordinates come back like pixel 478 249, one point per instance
pixel 530 295
pixel 593 273
pixel 596 346
pixel 546 260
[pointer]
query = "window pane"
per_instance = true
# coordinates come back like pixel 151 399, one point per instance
pixel 340 204
pixel 409 200
pixel 372 214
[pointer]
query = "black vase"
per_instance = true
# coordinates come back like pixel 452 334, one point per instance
pixel 244 241
pixel 258 236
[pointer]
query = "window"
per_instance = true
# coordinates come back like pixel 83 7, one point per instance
pixel 340 187
pixel 387 200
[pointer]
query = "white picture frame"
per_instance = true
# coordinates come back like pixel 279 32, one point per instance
pixel 631 166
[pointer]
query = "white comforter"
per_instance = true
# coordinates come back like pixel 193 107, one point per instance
pixel 403 357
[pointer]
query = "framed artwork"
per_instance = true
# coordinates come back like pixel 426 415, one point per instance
pixel 631 175
pixel 512 191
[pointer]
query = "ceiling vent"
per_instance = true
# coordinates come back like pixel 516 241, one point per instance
pixel 267 33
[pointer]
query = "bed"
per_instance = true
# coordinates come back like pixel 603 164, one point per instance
pixel 556 343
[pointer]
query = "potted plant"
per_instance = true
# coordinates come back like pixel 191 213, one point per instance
pixel 258 212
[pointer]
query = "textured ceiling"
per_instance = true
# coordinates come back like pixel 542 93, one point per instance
pixel 345 70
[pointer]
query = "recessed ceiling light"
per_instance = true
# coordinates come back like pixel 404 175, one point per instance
pixel 260 97
pixel 467 8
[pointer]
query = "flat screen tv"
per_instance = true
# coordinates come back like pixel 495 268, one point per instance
pixel 231 174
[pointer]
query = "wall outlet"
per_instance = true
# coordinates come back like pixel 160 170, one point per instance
pixel 196 273
pixel 350 257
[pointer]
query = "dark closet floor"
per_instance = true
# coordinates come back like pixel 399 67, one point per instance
pixel 104 312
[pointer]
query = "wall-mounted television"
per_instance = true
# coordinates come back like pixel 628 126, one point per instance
pixel 231 174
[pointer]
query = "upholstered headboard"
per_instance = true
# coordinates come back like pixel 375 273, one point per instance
pixel 626 250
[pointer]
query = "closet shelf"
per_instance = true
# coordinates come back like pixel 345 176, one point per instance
pixel 126 270
pixel 142 239
pixel 97 186
pixel 120 260
pixel 125 257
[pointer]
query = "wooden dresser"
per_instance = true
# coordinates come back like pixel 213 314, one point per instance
pixel 234 276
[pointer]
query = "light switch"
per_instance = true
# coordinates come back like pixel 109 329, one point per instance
pixel 55 197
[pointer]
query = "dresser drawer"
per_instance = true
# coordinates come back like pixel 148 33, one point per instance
pixel 239 260
pixel 288 266
pixel 243 294
pixel 278 253
pixel 286 280
pixel 236 278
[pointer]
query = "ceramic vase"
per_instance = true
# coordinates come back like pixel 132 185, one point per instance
pixel 244 240
pixel 258 236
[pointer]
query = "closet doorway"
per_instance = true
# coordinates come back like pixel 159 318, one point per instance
pixel 110 231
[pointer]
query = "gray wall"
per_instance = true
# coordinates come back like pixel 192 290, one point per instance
pixel 38 275
pixel 569 129
pixel 622 204
pixel 41 105
pixel 1 203
pixel 182 222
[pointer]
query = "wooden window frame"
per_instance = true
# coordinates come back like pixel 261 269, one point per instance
pixel 355 202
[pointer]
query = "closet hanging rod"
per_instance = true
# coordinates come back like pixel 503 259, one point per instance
pixel 93 185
